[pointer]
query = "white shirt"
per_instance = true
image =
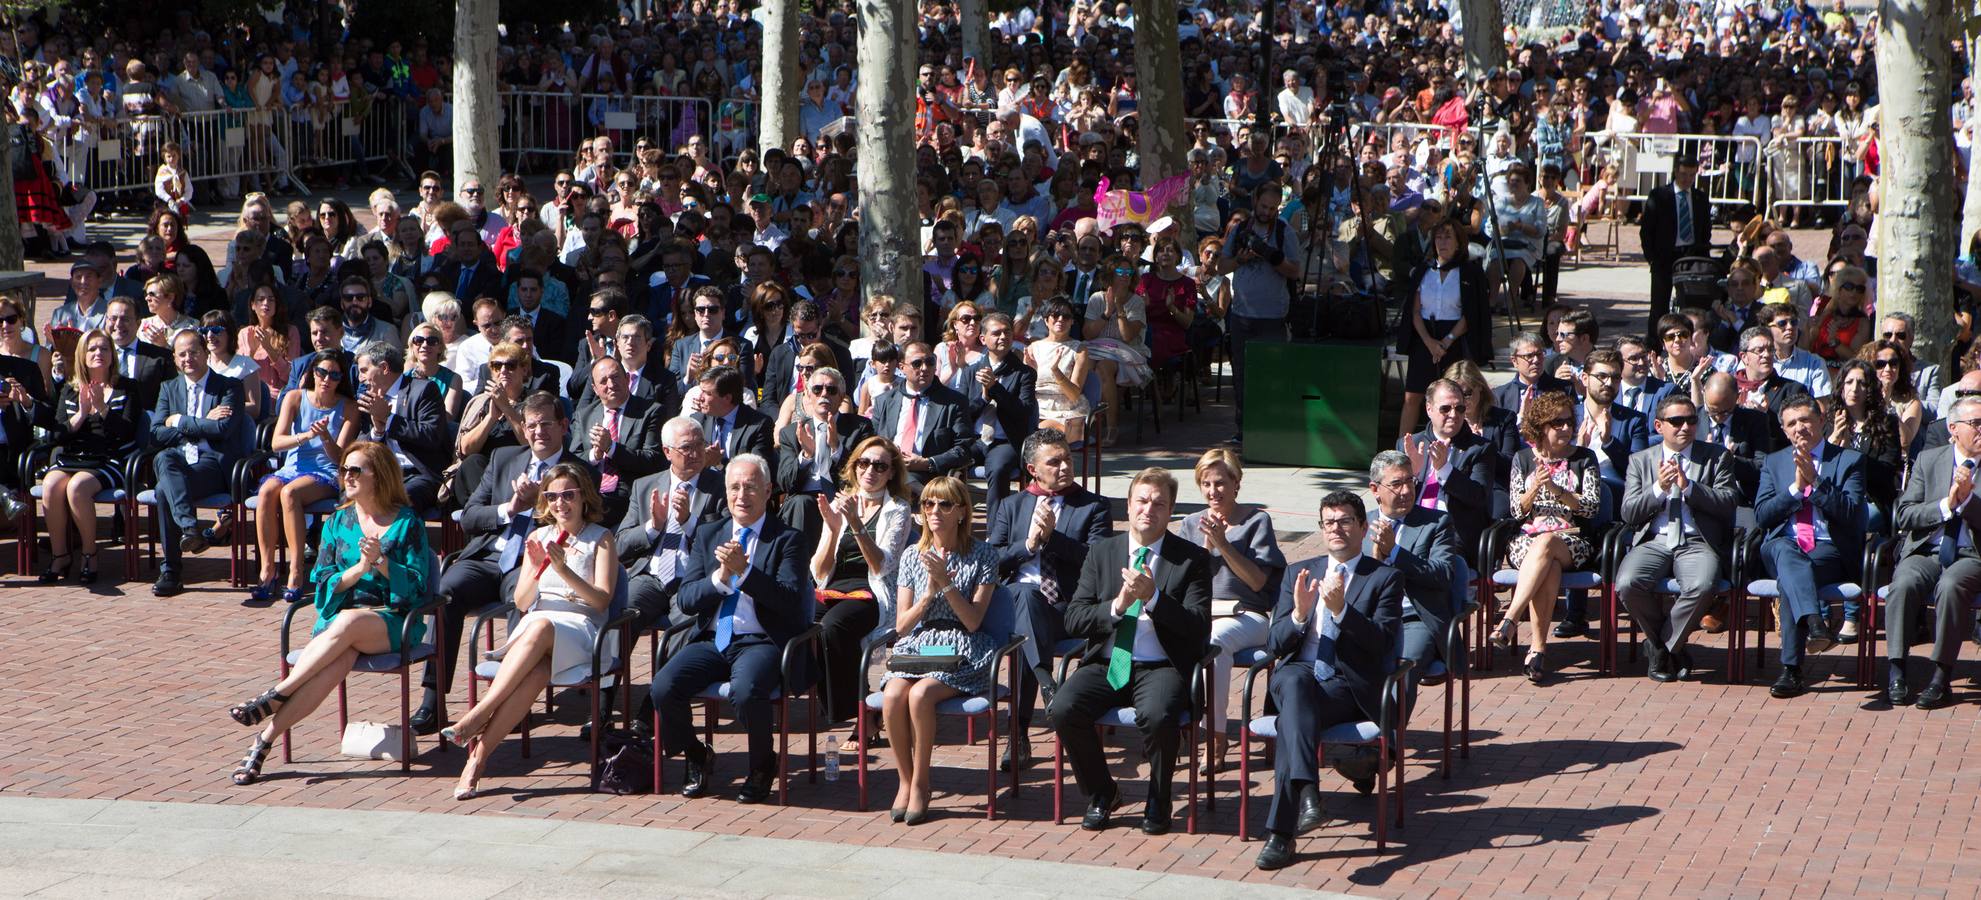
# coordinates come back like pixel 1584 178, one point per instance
pixel 1028 573
pixel 1147 647
pixel 1437 295
pixel 660 548
pixel 392 395
pixel 1327 622
pixel 196 408
pixel 823 450
pixel 744 621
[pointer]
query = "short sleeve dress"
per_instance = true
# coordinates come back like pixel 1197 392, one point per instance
pixel 940 626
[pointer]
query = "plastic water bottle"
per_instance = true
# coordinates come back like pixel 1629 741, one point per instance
pixel 832 759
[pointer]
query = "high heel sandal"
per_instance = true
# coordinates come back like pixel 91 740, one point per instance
pixel 253 711
pixel 1537 666
pixel 87 574
pixel 249 770
pixel 55 573
pixel 1504 634
pixel 460 737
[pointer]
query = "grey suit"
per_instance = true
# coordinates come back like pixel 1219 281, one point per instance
pixel 637 542
pixel 1698 559
pixel 1923 524
pixel 1428 556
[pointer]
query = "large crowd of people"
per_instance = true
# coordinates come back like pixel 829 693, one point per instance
pixel 660 377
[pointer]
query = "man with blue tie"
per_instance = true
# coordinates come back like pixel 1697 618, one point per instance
pixel 496 520
pixel 1144 606
pixel 201 429
pixel 749 594
pixel 470 270
pixel 142 364
pixel 1420 542
pixel 1811 510
pixel 1335 637
pixel 1638 389
pixel 1939 558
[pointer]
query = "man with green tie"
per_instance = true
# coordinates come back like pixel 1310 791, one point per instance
pixel 1144 606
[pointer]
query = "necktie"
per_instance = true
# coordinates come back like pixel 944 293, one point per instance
pixel 1684 217
pixel 1429 498
pixel 194 396
pixel 1950 538
pixel 519 527
pixel 1324 647
pixel 1805 524
pixel 1121 659
pixel 1674 533
pixel 1048 579
pixel 666 562
pixel 722 436
pixel 822 452
pixel 1630 397
pixel 911 422
pixel 130 362
pixel 608 479
pixel 1717 435
pixel 723 626
pixel 461 287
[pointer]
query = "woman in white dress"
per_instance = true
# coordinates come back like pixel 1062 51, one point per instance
pixel 570 570
pixel 1520 230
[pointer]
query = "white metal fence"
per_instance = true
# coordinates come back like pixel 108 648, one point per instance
pixel 544 125
pixel 1731 167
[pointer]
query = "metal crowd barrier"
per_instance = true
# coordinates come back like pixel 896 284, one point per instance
pixel 370 135
pixel 123 154
pixel 1732 168
pixel 538 124
pixel 1810 171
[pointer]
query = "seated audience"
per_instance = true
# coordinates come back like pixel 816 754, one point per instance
pixel 1245 568
pixel 1810 510
pixel 201 430
pixel 619 434
pixel 95 427
pixel 404 412
pixel 312 428
pixel 1678 502
pixel 925 419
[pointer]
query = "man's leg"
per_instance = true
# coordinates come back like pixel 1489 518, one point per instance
pixel 468 585
pixel 1081 700
pixel 1043 629
pixel 1953 600
pixel 1000 469
pixel 686 674
pixel 1697 568
pixel 179 484
pixel 1916 578
pixel 1162 700
pixel 1637 582
pixel 1660 298
pixel 753 677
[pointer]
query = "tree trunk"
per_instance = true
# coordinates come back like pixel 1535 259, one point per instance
pixel 890 233
pixel 477 115
pixel 12 254
pixel 1484 33
pixel 1161 139
pixel 780 80
pixel 1916 215
pixel 973 20
pixel 1970 216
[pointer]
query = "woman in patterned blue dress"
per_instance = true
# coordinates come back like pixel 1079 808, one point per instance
pixel 315 425
pixel 943 593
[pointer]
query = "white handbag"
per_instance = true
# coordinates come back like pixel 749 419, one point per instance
pixel 372 740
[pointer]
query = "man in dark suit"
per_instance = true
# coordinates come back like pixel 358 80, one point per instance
pixel 1144 606
pixel 1638 388
pixel 923 418
pixel 200 428
pixel 469 270
pixel 553 339
pixel 1744 433
pixel 1000 396
pixel 1335 637
pixel 326 331
pixel 1453 468
pixel 1042 535
pixel 405 413
pixel 1742 309
pixel 668 507
pixel 1678 500
pixel 543 376
pixel 813 448
pixel 144 364
pixel 1811 511
pixel 748 591
pixel 646 372
pixel 675 278
pixel 1530 379
pixel 1422 545
pixel 1678 222
pixel 619 435
pixel 596 338
pixel 1770 392
pixel 688 359
pixel 732 428
pixel 1938 558
pixel 496 520
pixel 781 374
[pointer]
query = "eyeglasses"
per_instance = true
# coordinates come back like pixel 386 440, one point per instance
pixel 1563 422
pixel 503 365
pixel 429 188
pixel 599 310
pixel 1058 315
pixel 1679 421
pixel 1601 376
pixel 1676 335
pixel 354 471
pixel 421 340
pixel 1564 335
pixel 561 182
pixel 966 318
pixel 331 375
pixel 848 273
pixel 1852 286
pixel 1759 351
pixel 970 269
pixel 13 319
pixel 825 390
pixel 1445 409
pixel 938 505
pixel 1884 362
pixel 1897 335
pixel 1123 270
pixel 1531 355
pixel 1782 323
pixel 472 192
pixel 873 465
pixel 565 496
pixel 1967 422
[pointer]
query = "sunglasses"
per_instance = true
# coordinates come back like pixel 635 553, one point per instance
pixel 1563 422
pixel 205 330
pixel 12 319
pixel 561 182
pixel 357 296
pixel 966 318
pixel 1782 323
pixel 564 496
pixel 1884 363
pixel 1897 335
pixel 711 310
pixel 1678 335
pixel 1679 421
pixel 472 192
pixel 353 471
pixel 970 269
pixel 825 390
pixel 330 375
pixel 421 340
pixel 1853 287
pixel 938 505
pixel 873 464
pixel 848 273
pixel 600 310
pixel 429 188
pixel 920 363
pixel 503 365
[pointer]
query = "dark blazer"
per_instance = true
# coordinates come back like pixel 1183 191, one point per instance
pixel 1507 396
pixel 1917 516
pixel 1779 390
pixel 1012 397
pixel 1502 431
pixel 1427 555
pixel 1658 231
pixel 1747 438
pixel 16 419
pixel 232 437
pixel 638 450
pixel 419 423
pixel 1709 504
pixel 635 544
pixel 1084 520
pixel 943 427
pixel 1838 494
pixel 794 476
pixel 687 346
pixel 481 521
pixel 777 581
pixel 553 338
pixel 1371 623
pixel 1629 432
pixel 484 281
pixel 1726 334
pixel 1182 611
pixel 153 367
pixel 784 357
pixel 1471 486
pixel 655 383
pixel 752 434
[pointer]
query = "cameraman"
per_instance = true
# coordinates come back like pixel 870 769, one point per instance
pixel 1260 253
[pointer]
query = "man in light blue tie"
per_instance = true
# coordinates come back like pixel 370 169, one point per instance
pixel 747 593
pixel 1335 636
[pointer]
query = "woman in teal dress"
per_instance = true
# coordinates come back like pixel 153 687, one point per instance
pixel 371 572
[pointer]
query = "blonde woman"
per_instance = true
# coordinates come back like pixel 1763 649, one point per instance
pixel 1245 561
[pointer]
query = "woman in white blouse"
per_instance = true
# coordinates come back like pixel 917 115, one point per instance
pixel 866 526
pixel 1436 318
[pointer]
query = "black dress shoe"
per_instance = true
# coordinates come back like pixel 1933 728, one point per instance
pixel 1936 695
pixel 1820 638
pixel 425 720
pixel 1659 665
pixel 1099 811
pixel 1312 814
pixel 1681 664
pixel 1017 754
pixel 1156 818
pixel 1365 784
pixel 1897 692
pixel 701 769
pixel 167 586
pixel 1276 854
pixel 193 542
pixel 1789 684
pixel 756 787
pixel 1570 628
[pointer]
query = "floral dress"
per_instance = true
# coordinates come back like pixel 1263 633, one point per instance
pixel 1577 474
pixel 940 626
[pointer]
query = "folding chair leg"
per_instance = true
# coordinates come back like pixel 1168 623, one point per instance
pixel 784 752
pixel 406 719
pixel 1382 794
pixel 1244 781
pixel 860 758
pixel 1190 824
pixel 990 766
pixel 1058 781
